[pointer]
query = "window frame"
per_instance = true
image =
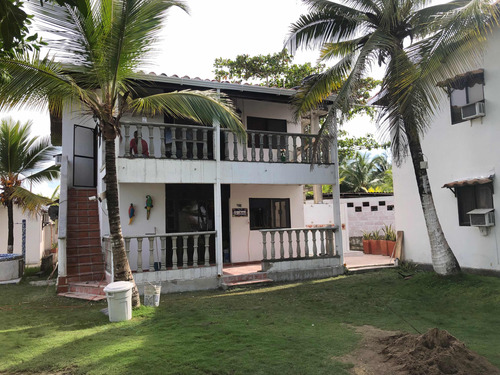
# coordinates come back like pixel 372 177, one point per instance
pixel 270 220
pixel 469 198
pixel 464 83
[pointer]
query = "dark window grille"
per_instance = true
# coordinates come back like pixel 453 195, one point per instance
pixel 269 213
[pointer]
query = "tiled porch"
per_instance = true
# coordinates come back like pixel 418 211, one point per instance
pixel 353 260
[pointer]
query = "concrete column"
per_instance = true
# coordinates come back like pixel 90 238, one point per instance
pixel 332 126
pixel 317 189
pixel 218 198
pixel 63 218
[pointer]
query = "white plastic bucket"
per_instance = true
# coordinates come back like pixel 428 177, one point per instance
pixel 119 296
pixel 152 295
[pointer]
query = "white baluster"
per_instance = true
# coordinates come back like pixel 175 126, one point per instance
pixel 139 254
pixel 264 245
pixel 174 253
pixel 195 250
pixel 207 249
pixel 163 253
pixel 151 254
pixel 273 252
pixel 184 251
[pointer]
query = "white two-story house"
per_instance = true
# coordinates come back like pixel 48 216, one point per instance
pixel 463 154
pixel 193 198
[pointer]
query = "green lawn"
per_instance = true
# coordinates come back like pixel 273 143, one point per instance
pixel 295 328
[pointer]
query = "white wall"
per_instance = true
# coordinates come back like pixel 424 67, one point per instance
pixel 246 244
pixel 34 240
pixel 455 152
pixel 136 194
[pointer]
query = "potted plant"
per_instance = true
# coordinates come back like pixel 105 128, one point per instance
pixel 366 242
pixel 375 245
pixel 389 240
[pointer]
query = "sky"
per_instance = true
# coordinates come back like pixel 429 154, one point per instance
pixel 214 28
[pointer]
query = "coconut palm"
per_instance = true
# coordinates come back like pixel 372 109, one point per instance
pixel 358 174
pixel 105 43
pixel 23 160
pixel 418 46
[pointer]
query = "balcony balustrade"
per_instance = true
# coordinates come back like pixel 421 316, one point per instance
pixel 189 142
pixel 297 243
pixel 170 251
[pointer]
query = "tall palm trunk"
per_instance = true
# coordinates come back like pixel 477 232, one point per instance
pixel 10 218
pixel 121 266
pixel 443 259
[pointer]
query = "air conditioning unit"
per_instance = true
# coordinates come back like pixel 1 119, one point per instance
pixel 57 159
pixel 482 217
pixel 474 110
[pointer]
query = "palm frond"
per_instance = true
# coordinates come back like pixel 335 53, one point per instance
pixel 317 88
pixel 32 81
pixel 50 173
pixel 325 26
pixel 341 49
pixel 201 106
pixel 29 201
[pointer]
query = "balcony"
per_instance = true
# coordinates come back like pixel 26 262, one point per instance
pixel 188 152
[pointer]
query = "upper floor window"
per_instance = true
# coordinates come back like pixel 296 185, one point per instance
pixel 465 91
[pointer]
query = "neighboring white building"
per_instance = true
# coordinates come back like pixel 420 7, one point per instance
pixel 40 234
pixel 215 200
pixel 463 157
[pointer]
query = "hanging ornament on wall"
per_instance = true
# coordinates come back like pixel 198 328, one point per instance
pixel 131 213
pixel 149 205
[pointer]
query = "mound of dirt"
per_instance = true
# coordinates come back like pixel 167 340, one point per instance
pixel 434 353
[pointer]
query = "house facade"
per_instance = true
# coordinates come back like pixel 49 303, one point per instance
pixel 194 198
pixel 462 154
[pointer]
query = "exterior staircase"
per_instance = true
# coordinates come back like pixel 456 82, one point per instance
pixel 243 280
pixel 85 275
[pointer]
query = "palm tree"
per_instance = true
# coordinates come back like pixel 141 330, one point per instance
pixel 419 46
pixel 358 174
pixel 21 161
pixel 105 42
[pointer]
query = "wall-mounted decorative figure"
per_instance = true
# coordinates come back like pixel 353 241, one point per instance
pixel 149 205
pixel 131 213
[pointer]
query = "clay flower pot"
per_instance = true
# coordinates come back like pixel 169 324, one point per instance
pixel 366 247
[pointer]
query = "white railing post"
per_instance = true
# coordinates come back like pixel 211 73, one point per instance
pixel 174 253
pixel 163 253
pixel 264 245
pixel 273 251
pixel 184 251
pixel 139 254
pixel 151 254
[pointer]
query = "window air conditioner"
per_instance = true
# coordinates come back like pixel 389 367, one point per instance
pixel 57 159
pixel 482 217
pixel 473 110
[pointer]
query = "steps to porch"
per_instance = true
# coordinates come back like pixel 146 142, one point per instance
pixel 88 290
pixel 85 262
pixel 248 274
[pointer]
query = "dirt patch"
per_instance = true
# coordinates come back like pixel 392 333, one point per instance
pixel 434 353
